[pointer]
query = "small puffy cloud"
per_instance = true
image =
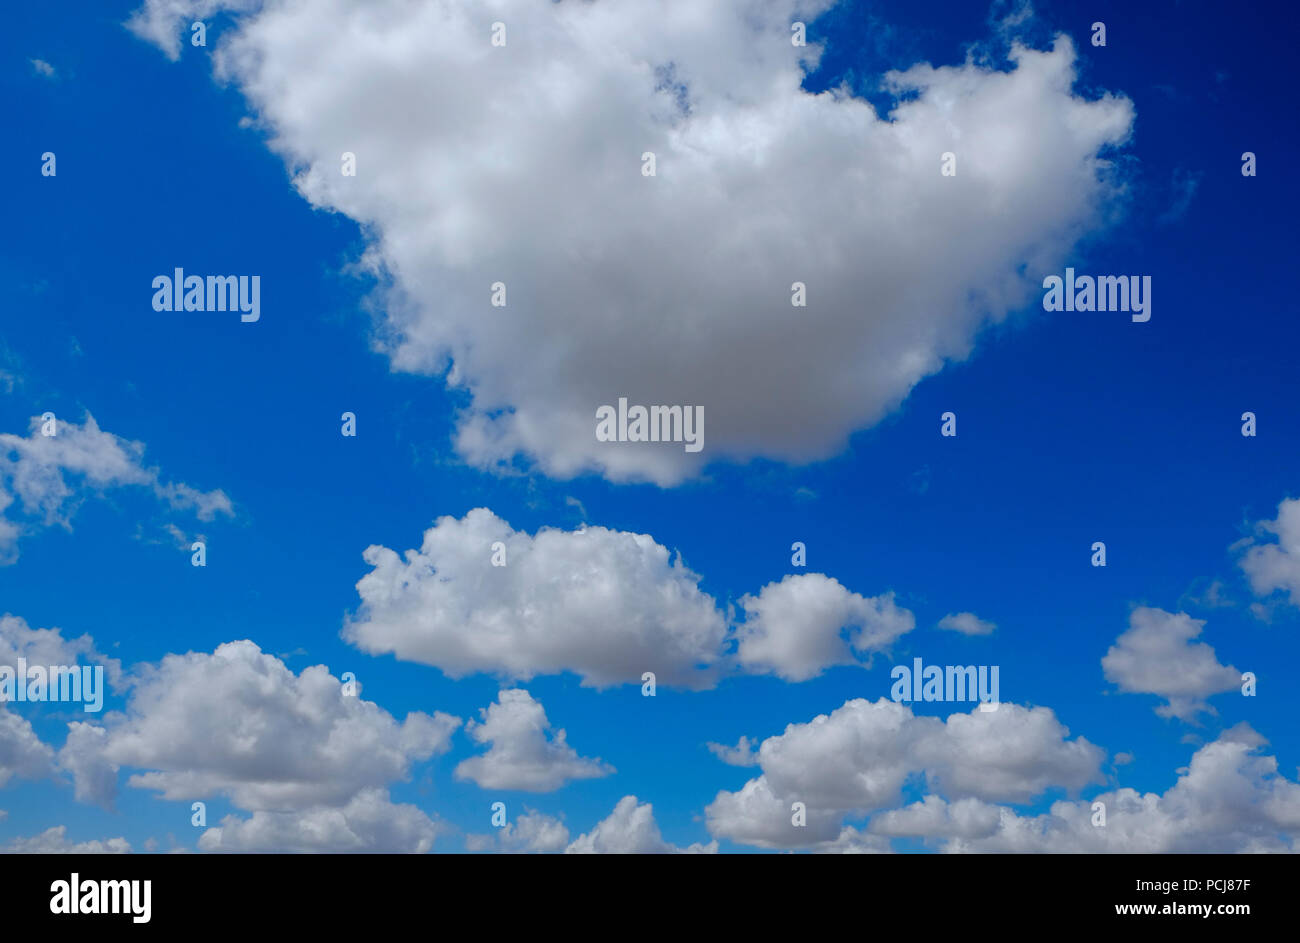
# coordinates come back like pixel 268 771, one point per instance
pixel 1157 656
pixel 606 605
pixel 808 622
pixel 535 833
pixel 672 289
pixel 44 478
pixel 54 841
pixel 42 68
pixel 744 753
pixel 237 722
pixel 967 623
pixel 756 815
pixel 1275 566
pixel 369 822
pixel 631 830
pixel 521 755
pixel 1014 753
pixel 531 833
pixel 856 760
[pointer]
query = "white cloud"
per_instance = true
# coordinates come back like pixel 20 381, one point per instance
pixel 94 775
pixel 237 722
pixel 49 647
pixel 856 760
pixel 521 756
pixel 744 753
pixel 535 833
pixel 631 830
pixel 933 817
pixel 46 476
pixel 54 841
pixel 673 289
pixel 22 753
pixel 851 841
pixel 1229 799
pixel 967 623
pixel 1276 566
pixel 1157 656
pixel 160 21
pixel 42 68
pixel 1014 753
pixel 796 628
pixel 369 822
pixel 756 815
pixel 531 833
pixel 606 605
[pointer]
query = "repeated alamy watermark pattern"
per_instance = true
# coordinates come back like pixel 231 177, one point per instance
pixel 1103 293
pixel 946 683
pixel 77 896
pixel 181 292
pixel 39 683
pixel 651 424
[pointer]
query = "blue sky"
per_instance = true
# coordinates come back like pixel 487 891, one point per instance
pixel 1074 427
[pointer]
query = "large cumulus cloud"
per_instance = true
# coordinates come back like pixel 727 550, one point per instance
pixel 522 164
pixel 237 722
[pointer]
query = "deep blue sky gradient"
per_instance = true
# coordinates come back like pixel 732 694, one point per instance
pixel 1074 427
